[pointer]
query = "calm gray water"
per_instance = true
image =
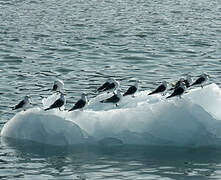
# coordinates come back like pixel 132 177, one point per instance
pixel 85 42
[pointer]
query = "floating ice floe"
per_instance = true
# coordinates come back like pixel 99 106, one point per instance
pixel 193 121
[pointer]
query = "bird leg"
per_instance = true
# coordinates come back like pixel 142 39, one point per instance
pixel 117 105
pixel 133 96
pixel 201 86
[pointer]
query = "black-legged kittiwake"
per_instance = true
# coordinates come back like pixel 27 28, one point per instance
pixel 105 85
pixel 160 89
pixel 132 89
pixel 80 104
pixel 177 84
pixel 178 91
pixel 22 104
pixel 202 79
pixel 111 87
pixel 58 103
pixel 113 99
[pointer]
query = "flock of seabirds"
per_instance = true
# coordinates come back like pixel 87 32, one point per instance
pixel 112 86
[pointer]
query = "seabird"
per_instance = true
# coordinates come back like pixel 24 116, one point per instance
pixel 104 86
pixel 58 103
pixel 58 86
pixel 188 81
pixel 202 79
pixel 132 89
pixel 80 103
pixel 177 84
pixel 22 104
pixel 113 99
pixel 178 91
pixel 160 89
pixel 111 87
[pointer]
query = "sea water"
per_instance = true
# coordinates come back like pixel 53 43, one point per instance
pixel 85 42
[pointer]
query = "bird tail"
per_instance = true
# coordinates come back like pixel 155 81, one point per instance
pixel 169 97
pixel 13 108
pixel 151 93
pixel 70 109
pixel 102 101
pixel 46 109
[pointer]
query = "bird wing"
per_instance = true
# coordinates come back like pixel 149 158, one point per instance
pixel 199 81
pixel 79 104
pixel 131 90
pixel 110 86
pixel 58 103
pixel 176 92
pixel 112 99
pixel 103 86
pixel 159 89
pixel 19 105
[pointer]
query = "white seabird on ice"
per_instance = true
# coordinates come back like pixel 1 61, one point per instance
pixel 178 91
pixel 111 86
pixel 177 84
pixel 113 99
pixel 58 103
pixel 160 89
pixel 80 104
pixel 22 104
pixel 105 85
pixel 202 79
pixel 132 89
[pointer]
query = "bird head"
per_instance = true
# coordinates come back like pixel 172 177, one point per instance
pixel 189 78
pixel 204 75
pixel 84 96
pixel 164 83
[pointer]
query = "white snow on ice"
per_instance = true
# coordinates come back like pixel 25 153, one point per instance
pixel 193 121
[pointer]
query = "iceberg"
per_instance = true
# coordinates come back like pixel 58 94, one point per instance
pixel 192 121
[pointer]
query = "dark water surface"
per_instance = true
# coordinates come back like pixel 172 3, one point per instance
pixel 83 43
